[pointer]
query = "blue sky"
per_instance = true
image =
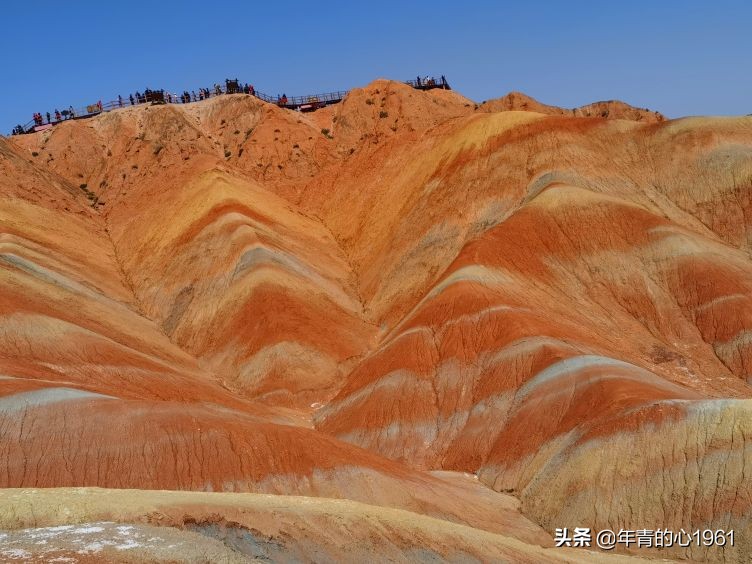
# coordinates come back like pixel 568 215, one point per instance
pixel 681 58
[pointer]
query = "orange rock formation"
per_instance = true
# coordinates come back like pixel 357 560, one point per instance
pixel 405 300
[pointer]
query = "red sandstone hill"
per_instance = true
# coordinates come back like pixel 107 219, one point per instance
pixel 460 328
pixel 611 109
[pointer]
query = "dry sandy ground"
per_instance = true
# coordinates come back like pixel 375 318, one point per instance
pixel 88 524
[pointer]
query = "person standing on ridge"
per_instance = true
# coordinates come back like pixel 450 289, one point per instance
pixel 48 117
pixel 58 117
pixel 120 100
pixel 71 113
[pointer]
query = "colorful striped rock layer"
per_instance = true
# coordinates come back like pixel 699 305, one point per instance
pixel 404 327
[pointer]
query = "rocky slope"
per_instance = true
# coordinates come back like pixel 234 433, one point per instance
pixel 611 109
pixel 119 526
pixel 233 297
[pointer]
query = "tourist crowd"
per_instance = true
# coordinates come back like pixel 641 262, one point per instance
pixel 147 96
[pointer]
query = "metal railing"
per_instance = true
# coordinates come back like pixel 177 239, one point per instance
pixel 293 102
pixel 91 110
pixel 301 103
pixel 429 82
pixel 297 101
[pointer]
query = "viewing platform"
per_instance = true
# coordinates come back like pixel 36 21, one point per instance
pixel 307 103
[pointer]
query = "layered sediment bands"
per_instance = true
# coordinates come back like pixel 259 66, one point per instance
pixel 67 316
pixel 233 297
pixel 480 336
pixel 713 184
pixel 247 526
pixel 681 464
pixel 259 291
pixel 108 442
pixel 582 305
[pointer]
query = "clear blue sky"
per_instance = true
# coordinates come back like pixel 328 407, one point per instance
pixel 680 58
